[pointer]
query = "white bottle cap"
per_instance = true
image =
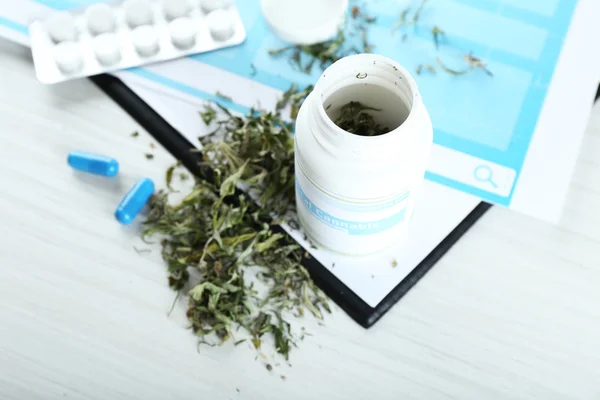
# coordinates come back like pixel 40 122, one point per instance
pixel 220 23
pixel 145 40
pixel 61 27
pixel 107 48
pixel 138 12
pixel 176 8
pixel 68 58
pixel 182 32
pixel 305 21
pixel 100 19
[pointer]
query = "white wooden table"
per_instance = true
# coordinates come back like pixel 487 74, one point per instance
pixel 512 312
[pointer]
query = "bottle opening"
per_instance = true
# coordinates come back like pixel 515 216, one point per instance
pixel 366 95
pixel 366 109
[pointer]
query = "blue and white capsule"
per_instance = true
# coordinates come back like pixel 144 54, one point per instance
pixel 93 163
pixel 133 203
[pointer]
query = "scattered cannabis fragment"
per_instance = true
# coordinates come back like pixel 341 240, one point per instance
pixel 438 35
pixel 354 118
pixel 473 63
pixel 293 97
pixel 404 20
pixel 359 15
pixel 426 67
pixel 450 70
pixel 141 251
pixel 223 96
pixel 169 174
pixel 208 115
pixel 149 156
pixel 476 63
pixel 135 134
pixel 242 274
pixel 304 57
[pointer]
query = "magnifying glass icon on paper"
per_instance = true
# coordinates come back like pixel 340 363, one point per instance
pixel 484 174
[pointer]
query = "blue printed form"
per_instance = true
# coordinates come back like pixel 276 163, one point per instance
pixel 483 124
pixel 487 122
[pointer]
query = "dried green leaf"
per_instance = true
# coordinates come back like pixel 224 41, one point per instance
pixel 426 67
pixel 438 34
pixel 198 291
pixel 223 96
pixel 229 186
pixel 282 342
pixel 219 232
pixel 208 115
pixel 308 302
pixel 354 118
pixel 269 243
pixel 305 57
pixel 169 175
pixel 417 15
pixel 450 70
pixel 477 63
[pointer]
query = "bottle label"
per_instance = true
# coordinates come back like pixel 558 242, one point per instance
pixel 355 219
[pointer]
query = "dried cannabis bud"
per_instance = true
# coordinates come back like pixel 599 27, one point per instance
pixel 225 238
pixel 354 118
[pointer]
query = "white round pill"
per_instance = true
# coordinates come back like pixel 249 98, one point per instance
pixel 107 48
pixel 176 8
pixel 100 19
pixel 220 23
pixel 145 40
pixel 212 5
pixel 67 57
pixel 61 27
pixel 182 32
pixel 138 12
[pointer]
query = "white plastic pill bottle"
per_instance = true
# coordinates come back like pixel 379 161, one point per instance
pixel 356 194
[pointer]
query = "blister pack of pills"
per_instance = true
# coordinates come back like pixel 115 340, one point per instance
pixel 111 36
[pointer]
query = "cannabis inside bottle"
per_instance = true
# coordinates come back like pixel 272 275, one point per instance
pixel 363 139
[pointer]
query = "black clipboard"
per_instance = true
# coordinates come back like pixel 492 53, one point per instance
pixel 353 305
